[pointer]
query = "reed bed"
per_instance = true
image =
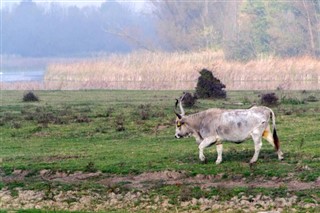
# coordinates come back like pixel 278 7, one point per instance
pixel 180 71
pixel 22 85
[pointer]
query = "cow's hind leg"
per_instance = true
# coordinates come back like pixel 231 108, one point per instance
pixel 269 137
pixel 257 139
pixel 204 144
pixel 219 151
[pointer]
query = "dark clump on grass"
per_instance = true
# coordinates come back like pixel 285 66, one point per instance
pixel 119 123
pixel 82 119
pixel 16 125
pixel 209 86
pixel 30 97
pixel 269 99
pixel 90 167
pixel 292 101
pixel 188 99
pixel 311 98
pixel 144 111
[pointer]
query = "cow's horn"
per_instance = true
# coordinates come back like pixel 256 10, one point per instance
pixel 175 110
pixel 180 105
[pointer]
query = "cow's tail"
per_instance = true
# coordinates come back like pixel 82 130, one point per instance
pixel 275 136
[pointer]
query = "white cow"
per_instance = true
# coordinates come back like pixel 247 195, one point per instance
pixel 213 126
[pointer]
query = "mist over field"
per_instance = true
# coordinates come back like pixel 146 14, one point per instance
pixel 43 35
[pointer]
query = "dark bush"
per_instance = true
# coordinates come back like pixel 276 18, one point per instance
pixel 90 167
pixel 144 111
pixel 30 97
pixel 311 98
pixel 82 119
pixel 209 86
pixel 16 125
pixel 119 123
pixel 269 99
pixel 188 99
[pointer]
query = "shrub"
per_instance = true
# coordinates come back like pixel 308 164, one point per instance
pixel 311 98
pixel 144 111
pixel 209 86
pixel 82 119
pixel 16 125
pixel 188 100
pixel 269 99
pixel 30 97
pixel 90 167
pixel 292 101
pixel 119 123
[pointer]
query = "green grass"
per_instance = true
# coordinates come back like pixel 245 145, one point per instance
pixel 115 132
pixel 68 130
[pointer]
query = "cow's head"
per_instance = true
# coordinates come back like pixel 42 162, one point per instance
pixel 182 129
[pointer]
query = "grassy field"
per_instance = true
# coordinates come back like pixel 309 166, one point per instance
pixel 127 133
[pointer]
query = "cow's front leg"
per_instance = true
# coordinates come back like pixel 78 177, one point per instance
pixel 205 143
pixel 257 147
pixel 219 152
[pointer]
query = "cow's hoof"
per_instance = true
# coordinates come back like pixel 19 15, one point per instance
pixel 252 161
pixel 202 157
pixel 205 161
pixel 252 164
pixel 218 162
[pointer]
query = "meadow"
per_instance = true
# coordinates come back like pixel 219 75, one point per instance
pixel 102 141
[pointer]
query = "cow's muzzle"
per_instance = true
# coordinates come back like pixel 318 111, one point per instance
pixel 177 136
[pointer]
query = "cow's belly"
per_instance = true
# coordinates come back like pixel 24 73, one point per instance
pixel 234 138
pixel 233 134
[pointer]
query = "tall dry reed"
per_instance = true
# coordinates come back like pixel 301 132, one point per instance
pixel 179 71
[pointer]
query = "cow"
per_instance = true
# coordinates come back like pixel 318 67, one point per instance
pixel 213 126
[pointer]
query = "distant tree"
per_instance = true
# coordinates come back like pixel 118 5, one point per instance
pixel 135 29
pixel 288 30
pixel 252 38
pixel 189 25
pixel 285 28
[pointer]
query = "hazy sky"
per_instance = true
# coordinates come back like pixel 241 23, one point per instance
pixel 138 4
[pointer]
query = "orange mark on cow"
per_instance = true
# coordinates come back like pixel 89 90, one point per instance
pixel 265 133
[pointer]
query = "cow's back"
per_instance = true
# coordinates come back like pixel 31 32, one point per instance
pixel 236 125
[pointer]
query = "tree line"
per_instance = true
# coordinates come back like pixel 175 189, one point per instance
pixel 243 29
pixel 36 30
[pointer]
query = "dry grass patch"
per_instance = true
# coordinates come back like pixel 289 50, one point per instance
pixel 178 71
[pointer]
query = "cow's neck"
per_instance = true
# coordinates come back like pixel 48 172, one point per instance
pixel 193 121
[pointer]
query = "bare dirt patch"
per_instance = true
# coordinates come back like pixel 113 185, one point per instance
pixel 67 177
pixel 17 175
pixel 139 198
pixel 149 179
